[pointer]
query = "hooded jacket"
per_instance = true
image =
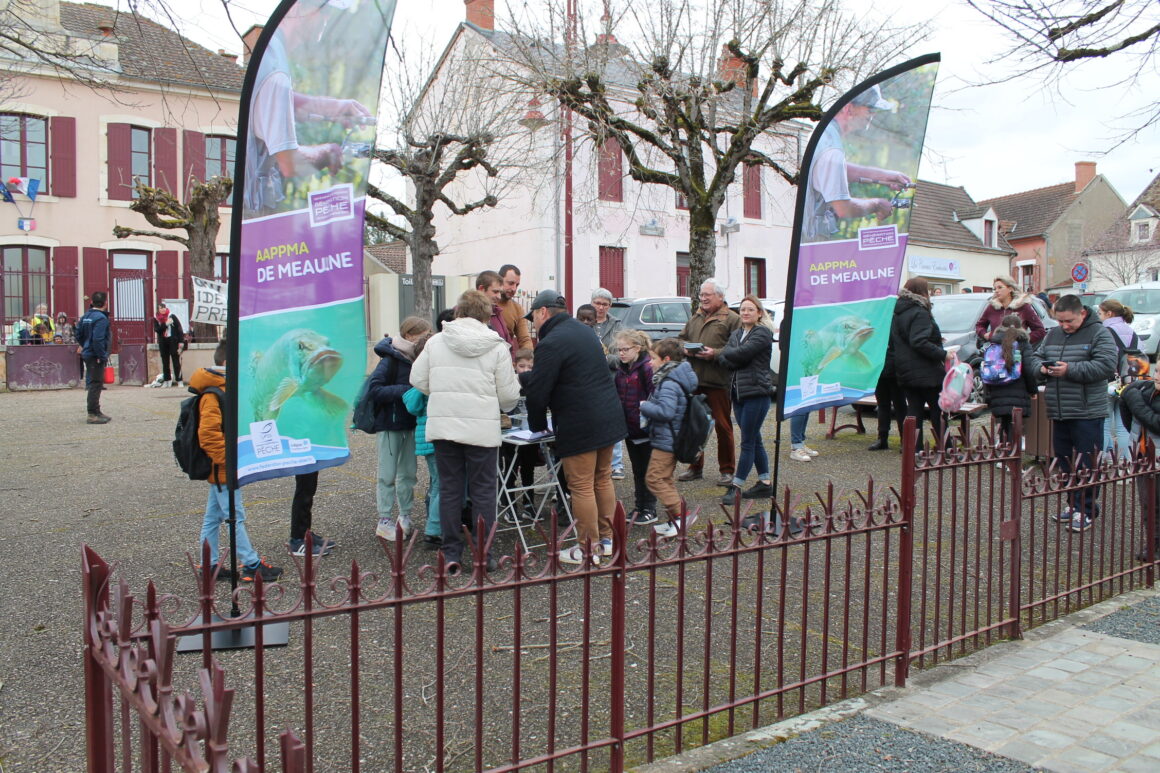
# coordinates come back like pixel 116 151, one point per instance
pixel 749 361
pixel 993 313
pixel 665 409
pixel 210 432
pixel 387 393
pixel 1091 356
pixel 467 372
pixel 572 380
pixel 917 342
pixel 416 403
pixel 1140 400
pixel 1003 399
pixel 633 386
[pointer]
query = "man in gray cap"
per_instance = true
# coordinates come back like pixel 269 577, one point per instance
pixel 828 198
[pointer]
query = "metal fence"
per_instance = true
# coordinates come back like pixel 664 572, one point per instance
pixel 665 645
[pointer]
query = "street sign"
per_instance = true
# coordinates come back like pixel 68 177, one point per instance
pixel 1080 272
pixel 1079 287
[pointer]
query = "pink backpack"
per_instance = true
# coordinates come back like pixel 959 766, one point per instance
pixel 956 386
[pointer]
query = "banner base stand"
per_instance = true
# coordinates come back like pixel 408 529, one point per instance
pixel 275 635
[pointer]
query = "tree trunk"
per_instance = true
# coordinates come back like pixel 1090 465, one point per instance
pixel 422 256
pixel 702 249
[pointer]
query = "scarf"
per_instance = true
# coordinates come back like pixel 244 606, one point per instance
pixel 663 371
pixel 404 347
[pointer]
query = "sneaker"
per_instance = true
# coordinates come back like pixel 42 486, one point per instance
pixel 387 529
pixel 327 545
pixel 261 569
pixel 319 546
pixel 575 556
pixel 98 418
pixel 810 451
pixel 1063 516
pixel 670 529
pixel 605 547
pixel 729 495
pixel 642 518
pixel 432 541
pixel 800 455
pixel 881 444
pixel 725 480
pixel 690 474
pixel 618 473
pixel 759 490
pixel 1080 523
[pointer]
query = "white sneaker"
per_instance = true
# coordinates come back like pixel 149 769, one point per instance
pixel 575 556
pixel 800 455
pixel 386 529
pixel 605 547
pixel 810 451
pixel 670 529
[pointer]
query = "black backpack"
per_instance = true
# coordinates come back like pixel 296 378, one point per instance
pixel 191 458
pixel 366 412
pixel 694 433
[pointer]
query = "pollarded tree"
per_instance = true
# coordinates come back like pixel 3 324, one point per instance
pixel 198 217
pixel 697 88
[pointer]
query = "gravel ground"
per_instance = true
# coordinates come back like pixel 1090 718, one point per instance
pixel 862 744
pixel 1140 622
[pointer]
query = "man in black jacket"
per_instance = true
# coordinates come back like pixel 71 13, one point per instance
pixel 1079 358
pixel 571 378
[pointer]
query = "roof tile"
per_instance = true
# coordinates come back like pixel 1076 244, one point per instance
pixel 1033 211
pixel 1117 237
pixel 938 210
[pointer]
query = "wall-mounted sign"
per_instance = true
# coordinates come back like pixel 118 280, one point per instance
pixel 945 268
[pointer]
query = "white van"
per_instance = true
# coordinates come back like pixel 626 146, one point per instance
pixel 1144 300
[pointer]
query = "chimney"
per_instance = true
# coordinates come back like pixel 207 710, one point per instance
pixel 249 40
pixel 227 55
pixel 481 13
pixel 731 68
pixel 106 29
pixel 1085 172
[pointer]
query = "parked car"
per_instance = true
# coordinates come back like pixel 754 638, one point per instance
pixel 659 317
pixel 1144 300
pixel 956 316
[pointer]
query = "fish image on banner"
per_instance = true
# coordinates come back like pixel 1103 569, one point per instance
pixel 297 306
pixel 850 235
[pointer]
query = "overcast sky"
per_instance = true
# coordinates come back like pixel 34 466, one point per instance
pixel 993 140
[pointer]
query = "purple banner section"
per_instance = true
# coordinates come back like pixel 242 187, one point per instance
pixel 303 258
pixel 845 271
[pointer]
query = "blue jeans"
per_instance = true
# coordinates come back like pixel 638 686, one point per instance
pixel 434 526
pixel 750 415
pixel 797 430
pixel 618 456
pixel 217 512
pixel 1116 432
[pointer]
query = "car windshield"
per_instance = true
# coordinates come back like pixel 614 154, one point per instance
pixel 955 315
pixel 1141 301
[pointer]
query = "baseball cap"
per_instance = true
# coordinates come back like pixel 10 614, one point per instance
pixel 547 299
pixel 872 98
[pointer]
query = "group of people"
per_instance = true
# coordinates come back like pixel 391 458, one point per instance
pixel 41 328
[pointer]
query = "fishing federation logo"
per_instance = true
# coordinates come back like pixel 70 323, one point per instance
pixel 880 237
pixel 333 205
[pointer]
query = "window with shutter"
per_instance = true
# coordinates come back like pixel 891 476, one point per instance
pixel 140 158
pixel 751 187
pixel 755 277
pixel 24 280
pixel 219 156
pixel 62 150
pixel 24 147
pixel 682 203
pixel 612 270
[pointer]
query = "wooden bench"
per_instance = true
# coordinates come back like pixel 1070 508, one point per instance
pixel 964 414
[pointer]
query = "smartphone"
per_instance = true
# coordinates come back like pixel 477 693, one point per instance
pixel 1050 364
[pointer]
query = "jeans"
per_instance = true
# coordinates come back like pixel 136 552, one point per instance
pixel 751 413
pixel 94 381
pixel 797 430
pixel 434 526
pixel 398 469
pixel 1082 437
pixel 639 454
pixel 618 456
pixel 217 512
pixel 302 506
pixel 1115 433
pixel 471 468
pixel 593 496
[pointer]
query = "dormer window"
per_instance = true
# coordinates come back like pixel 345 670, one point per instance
pixel 1142 224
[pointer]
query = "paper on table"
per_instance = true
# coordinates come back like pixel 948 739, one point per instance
pixel 527 434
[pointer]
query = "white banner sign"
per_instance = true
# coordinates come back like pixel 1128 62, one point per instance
pixel 210 304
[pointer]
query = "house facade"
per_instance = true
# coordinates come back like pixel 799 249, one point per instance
pixel 171 118
pixel 1129 251
pixel 627 237
pixel 954 242
pixel 1050 228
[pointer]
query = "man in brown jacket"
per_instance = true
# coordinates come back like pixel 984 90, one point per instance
pixel 510 310
pixel 711 326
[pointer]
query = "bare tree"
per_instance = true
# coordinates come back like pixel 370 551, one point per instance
pixel 1125 266
pixel 449 137
pixel 699 87
pixel 1050 37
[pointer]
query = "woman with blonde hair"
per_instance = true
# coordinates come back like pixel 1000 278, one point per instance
pixel 1009 299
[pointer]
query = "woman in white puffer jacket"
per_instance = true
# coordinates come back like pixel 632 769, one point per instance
pixel 467 372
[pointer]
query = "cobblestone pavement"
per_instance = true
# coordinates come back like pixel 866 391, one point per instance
pixel 1079 695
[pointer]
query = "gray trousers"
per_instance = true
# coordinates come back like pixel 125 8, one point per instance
pixel 471 469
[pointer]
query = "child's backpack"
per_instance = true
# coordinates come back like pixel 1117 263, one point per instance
pixel 695 429
pixel 192 460
pixel 956 386
pixel 365 410
pixel 994 370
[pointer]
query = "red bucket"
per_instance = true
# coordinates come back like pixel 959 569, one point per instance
pixel 109 374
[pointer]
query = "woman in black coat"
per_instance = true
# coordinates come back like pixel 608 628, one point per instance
pixel 747 355
pixel 919 358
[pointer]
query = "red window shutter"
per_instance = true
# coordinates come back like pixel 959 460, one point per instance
pixel 168 282
pixel 610 171
pixel 96 264
pixel 64 285
pixel 752 191
pixel 612 270
pixel 62 148
pixel 165 160
pixel 193 156
pixel 681 202
pixel 120 163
